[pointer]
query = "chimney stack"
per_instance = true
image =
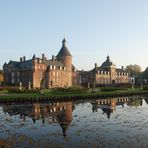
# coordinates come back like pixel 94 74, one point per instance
pixel 96 65
pixel 43 56
pixel 24 58
pixel 21 59
pixel 53 57
pixel 122 67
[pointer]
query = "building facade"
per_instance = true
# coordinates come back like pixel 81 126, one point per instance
pixel 41 72
pixel 106 74
pixel 59 71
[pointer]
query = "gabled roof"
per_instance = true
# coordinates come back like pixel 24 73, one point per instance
pixel 15 64
pixel 18 65
pixel 63 51
pixel 26 63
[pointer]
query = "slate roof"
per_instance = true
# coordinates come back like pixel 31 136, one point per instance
pixel 26 63
pixel 53 62
pixel 120 70
pixel 107 63
pixel 15 64
pixel 103 69
pixel 63 51
pixel 99 69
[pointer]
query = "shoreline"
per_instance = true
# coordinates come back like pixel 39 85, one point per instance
pixel 12 98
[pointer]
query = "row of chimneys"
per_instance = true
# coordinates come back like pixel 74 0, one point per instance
pixel 22 59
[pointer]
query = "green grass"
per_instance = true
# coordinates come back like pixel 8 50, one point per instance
pixel 3 91
pixel 47 94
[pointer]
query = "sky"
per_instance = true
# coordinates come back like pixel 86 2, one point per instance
pixel 93 29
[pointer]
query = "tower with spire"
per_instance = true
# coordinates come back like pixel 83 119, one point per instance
pixel 65 57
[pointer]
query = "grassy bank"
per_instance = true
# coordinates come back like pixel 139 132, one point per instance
pixel 59 94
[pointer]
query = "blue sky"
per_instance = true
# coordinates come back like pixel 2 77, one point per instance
pixel 93 29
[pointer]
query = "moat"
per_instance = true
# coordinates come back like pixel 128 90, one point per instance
pixel 114 122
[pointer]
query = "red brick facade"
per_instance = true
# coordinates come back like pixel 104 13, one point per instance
pixel 41 72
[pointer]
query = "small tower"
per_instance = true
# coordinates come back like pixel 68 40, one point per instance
pixel 34 57
pixel 34 61
pixel 64 56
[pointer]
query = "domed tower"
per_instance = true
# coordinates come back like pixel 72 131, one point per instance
pixel 64 56
pixel 109 66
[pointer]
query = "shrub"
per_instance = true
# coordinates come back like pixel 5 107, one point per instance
pixel 23 91
pixel 72 90
pixel 145 87
pixel 112 89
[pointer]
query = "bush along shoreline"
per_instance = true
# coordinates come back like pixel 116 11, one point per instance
pixel 15 95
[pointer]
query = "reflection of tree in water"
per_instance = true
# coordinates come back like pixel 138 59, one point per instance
pixel 146 99
pixel 135 102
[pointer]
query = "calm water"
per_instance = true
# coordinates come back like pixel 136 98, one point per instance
pixel 115 122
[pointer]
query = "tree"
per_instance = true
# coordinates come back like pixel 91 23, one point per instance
pixel 1 77
pixel 134 70
pixel 145 74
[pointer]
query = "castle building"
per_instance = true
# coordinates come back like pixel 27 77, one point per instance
pixel 106 74
pixel 59 71
pixel 41 72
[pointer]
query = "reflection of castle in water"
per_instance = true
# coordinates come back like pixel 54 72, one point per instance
pixel 58 112
pixel 61 112
pixel 108 106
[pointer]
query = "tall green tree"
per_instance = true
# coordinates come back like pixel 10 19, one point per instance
pixel 1 77
pixel 134 70
pixel 145 74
